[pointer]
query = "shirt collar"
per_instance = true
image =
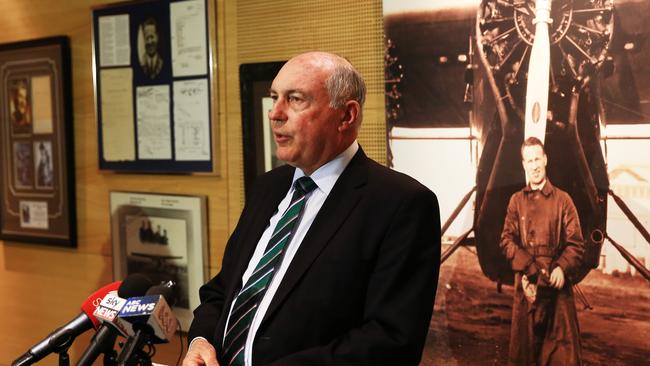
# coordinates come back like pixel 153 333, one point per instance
pixel 326 176
pixel 546 190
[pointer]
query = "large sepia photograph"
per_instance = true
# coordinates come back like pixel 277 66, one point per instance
pixel 535 119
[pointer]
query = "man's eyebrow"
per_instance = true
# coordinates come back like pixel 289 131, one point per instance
pixel 290 91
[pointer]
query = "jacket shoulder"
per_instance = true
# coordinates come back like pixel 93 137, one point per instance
pixel 385 179
pixel 277 178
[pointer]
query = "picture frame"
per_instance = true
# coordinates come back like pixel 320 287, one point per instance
pixel 153 73
pixel 38 202
pixel 258 145
pixel 163 237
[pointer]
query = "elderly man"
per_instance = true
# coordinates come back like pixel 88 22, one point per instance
pixel 543 241
pixel 335 258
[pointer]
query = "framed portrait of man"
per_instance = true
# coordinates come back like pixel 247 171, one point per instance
pixel 20 115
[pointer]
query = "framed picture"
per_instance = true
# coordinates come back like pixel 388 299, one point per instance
pixel 259 148
pixel 163 237
pixel 153 75
pixel 36 143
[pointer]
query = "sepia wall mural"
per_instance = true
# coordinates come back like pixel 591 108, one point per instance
pixel 455 99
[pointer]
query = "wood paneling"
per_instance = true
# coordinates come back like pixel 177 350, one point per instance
pixel 42 287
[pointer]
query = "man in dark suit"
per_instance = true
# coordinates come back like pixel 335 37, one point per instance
pixel 354 280
pixel 151 61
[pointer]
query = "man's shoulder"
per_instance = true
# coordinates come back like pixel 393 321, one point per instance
pixel 518 195
pixel 386 179
pixel 275 175
pixel 563 196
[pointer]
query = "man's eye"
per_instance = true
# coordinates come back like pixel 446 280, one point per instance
pixel 294 99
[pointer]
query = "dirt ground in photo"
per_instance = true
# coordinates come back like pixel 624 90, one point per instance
pixel 471 320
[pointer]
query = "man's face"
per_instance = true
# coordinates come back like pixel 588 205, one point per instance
pixel 21 100
pixel 151 39
pixel 534 161
pixel 305 127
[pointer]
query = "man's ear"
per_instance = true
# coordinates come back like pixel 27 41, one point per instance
pixel 351 115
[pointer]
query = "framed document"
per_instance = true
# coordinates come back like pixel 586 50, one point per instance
pixel 163 237
pixel 152 65
pixel 36 144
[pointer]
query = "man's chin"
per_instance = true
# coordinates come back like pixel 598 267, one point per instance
pixel 283 156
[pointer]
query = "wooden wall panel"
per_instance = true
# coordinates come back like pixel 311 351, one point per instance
pixel 42 287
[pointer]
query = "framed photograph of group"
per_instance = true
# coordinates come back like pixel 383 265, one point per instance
pixel 36 143
pixel 163 237
pixel 153 74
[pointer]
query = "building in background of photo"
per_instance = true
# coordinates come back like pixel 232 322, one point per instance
pixel 632 184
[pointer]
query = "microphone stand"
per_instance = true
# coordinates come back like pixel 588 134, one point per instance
pixel 132 353
pixel 110 358
pixel 64 358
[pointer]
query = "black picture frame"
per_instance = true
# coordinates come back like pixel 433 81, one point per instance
pixel 38 203
pixel 255 81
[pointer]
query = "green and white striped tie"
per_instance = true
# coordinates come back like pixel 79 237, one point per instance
pixel 253 290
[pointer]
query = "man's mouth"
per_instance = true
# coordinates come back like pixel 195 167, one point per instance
pixel 280 138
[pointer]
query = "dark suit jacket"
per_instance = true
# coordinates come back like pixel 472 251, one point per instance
pixel 360 289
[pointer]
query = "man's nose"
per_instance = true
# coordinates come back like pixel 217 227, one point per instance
pixel 277 111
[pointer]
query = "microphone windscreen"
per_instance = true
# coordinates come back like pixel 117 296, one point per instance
pixel 134 285
pixel 88 306
pixel 167 292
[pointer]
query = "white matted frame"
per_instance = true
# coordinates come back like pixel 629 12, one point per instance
pixel 164 237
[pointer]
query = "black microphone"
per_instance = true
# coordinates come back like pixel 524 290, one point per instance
pixel 61 339
pixel 153 322
pixel 103 341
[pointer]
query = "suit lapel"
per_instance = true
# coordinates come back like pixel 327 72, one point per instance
pixel 260 213
pixel 261 207
pixel 342 199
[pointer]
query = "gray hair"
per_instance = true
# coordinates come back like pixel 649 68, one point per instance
pixel 345 84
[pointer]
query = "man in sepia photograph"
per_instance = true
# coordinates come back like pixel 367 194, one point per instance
pixel 23 165
pixel 543 243
pixel 44 171
pixel 148 48
pixel 19 106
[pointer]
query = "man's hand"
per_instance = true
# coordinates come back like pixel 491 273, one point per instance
pixel 201 353
pixel 557 278
pixel 530 289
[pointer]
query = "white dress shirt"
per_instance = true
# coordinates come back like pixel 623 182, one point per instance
pixel 325 177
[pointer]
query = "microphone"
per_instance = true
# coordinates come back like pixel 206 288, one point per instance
pixel 112 326
pixel 153 322
pixel 60 339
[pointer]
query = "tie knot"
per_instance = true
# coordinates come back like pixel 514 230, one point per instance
pixel 304 185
